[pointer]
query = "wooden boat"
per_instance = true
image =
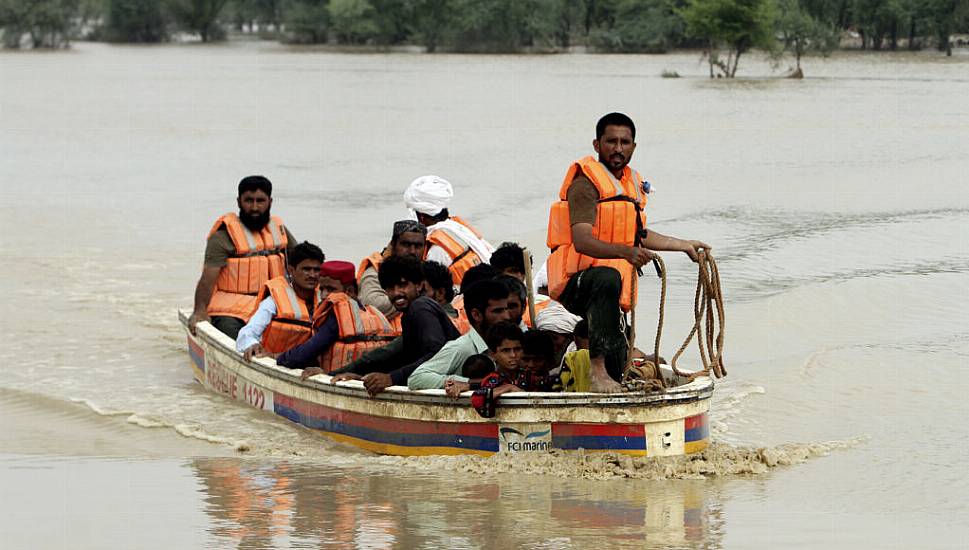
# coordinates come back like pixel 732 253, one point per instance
pixel 427 422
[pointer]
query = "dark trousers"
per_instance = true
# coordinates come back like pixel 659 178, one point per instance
pixel 230 326
pixel 593 294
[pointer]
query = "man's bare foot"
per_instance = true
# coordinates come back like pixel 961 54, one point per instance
pixel 599 379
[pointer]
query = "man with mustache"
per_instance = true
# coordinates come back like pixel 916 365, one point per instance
pixel 408 240
pixel 243 252
pixel 597 233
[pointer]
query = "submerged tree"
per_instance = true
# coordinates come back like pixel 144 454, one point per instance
pixel 135 21
pixel 800 33
pixel 49 23
pixel 731 26
pixel 200 16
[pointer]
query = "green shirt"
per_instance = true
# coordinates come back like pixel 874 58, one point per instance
pixel 447 363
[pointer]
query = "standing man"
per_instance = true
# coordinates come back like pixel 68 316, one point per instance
pixel 284 318
pixel 450 240
pixel 597 233
pixel 408 240
pixel 243 251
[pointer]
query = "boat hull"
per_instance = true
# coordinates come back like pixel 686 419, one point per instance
pixel 408 423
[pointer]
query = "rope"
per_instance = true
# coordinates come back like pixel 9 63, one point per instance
pixel 708 297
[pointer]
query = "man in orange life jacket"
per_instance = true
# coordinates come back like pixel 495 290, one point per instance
pixel 285 314
pixel 597 233
pixel 426 328
pixel 343 329
pixel 408 239
pixel 451 241
pixel 243 251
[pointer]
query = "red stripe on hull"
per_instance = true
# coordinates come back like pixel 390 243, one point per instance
pixel 606 430
pixel 385 424
pixel 697 421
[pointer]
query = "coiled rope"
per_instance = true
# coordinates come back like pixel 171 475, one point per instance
pixel 708 323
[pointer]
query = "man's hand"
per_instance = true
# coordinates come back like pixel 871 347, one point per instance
pixel 339 377
pixel 255 350
pixel 692 249
pixel 639 256
pixel 454 389
pixel 310 372
pixel 376 382
pixel 196 318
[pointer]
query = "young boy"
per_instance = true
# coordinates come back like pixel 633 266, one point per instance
pixel 538 358
pixel 504 342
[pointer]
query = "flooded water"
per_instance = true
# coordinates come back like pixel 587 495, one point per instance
pixel 838 208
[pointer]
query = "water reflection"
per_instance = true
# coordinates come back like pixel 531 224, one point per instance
pixel 253 504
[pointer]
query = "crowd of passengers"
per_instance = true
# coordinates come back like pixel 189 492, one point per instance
pixel 396 320
pixel 439 306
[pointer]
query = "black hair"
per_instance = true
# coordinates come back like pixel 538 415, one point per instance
pixel 438 276
pixel 478 273
pixel 478 365
pixel 581 329
pixel 499 332
pixel 255 183
pixel 514 286
pixel 509 256
pixel 395 269
pixel 306 251
pixel 539 343
pixel 482 292
pixel 614 119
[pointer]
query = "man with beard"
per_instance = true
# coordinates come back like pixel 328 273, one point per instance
pixel 408 240
pixel 597 233
pixel 243 252
pixel 426 328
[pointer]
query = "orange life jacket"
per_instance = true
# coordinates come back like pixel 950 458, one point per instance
pixel 461 322
pixel 462 256
pixel 619 218
pixel 293 323
pixel 397 324
pixel 374 260
pixel 259 256
pixel 361 328
pixel 539 306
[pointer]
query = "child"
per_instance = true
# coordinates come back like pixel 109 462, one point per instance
pixel 505 348
pixel 538 358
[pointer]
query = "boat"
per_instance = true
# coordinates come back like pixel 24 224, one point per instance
pixel 404 422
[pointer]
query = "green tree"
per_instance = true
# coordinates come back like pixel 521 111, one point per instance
pixel 799 32
pixel 199 16
pixel 49 23
pixel 431 21
pixel 733 26
pixel 640 26
pixel 352 21
pixel 250 12
pixel 305 21
pixel 944 17
pixel 135 21
pixel 495 26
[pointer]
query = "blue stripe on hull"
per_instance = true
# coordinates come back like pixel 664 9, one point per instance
pixel 600 442
pixel 392 438
pixel 697 434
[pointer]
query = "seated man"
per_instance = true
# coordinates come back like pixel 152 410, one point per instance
pixel 517 299
pixel 343 329
pixel 560 324
pixel 408 239
pixel 426 328
pixel 285 313
pixel 509 259
pixel 487 304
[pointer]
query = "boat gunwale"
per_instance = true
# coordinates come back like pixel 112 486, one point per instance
pixel 699 389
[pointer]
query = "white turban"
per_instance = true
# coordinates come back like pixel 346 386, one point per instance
pixel 555 318
pixel 428 195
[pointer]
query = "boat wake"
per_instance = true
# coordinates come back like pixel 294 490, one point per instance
pixel 718 460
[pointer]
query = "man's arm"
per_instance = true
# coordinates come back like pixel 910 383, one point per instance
pixel 306 354
pixel 203 294
pixel 439 368
pixel 251 334
pixel 587 244
pixel 658 241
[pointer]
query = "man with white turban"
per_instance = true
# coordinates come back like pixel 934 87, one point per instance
pixel 451 241
pixel 560 323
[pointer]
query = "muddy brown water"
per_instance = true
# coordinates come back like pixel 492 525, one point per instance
pixel 837 206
